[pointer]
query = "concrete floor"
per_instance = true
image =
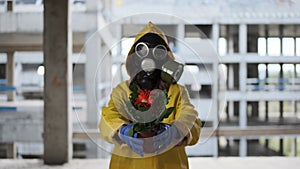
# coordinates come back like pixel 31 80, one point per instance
pixel 195 163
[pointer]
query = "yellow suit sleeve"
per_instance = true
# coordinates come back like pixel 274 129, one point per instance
pixel 111 118
pixel 186 118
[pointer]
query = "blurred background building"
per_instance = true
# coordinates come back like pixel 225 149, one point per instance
pixel 244 57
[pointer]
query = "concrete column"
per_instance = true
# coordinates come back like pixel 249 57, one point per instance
pixel 215 35
pixel 243 147
pixel 243 104
pixel 104 74
pixel 243 114
pixel 295 101
pixel 180 35
pixel 242 86
pixel 119 37
pixel 98 70
pixel 93 55
pixel 93 51
pixel 105 78
pixel 216 107
pixel 243 74
pixel 215 87
pixel 10 75
pixel 215 95
pixel 243 124
pixel 243 38
pixel 58 82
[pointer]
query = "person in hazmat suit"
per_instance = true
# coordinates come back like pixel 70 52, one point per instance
pixel 151 65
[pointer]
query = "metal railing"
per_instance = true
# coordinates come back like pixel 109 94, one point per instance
pixel 273 84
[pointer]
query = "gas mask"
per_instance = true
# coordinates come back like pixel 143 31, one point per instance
pixel 153 57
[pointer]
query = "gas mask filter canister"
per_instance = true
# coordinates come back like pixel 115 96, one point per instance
pixel 172 71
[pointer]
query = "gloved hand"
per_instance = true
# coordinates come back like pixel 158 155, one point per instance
pixel 134 143
pixel 167 135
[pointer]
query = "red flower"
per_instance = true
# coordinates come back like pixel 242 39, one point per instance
pixel 143 99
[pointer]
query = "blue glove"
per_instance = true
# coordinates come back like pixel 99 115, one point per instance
pixel 134 143
pixel 164 137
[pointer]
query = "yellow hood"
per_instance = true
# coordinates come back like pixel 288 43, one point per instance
pixel 149 28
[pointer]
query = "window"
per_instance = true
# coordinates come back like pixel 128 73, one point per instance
pixel 262 49
pixel 222 46
pixel 288 46
pixel 273 46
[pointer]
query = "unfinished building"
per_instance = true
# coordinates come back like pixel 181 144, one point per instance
pixel 244 59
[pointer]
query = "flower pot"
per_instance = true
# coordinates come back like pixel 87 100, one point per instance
pixel 148 143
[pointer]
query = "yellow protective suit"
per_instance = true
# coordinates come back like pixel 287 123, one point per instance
pixel 184 117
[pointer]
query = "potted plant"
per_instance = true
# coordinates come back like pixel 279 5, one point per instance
pixel 146 109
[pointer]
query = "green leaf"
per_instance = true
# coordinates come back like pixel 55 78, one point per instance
pixel 137 127
pixel 134 95
pixel 133 87
pixel 131 132
pixel 168 112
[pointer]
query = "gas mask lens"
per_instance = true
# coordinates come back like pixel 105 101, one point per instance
pixel 141 49
pixel 159 52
